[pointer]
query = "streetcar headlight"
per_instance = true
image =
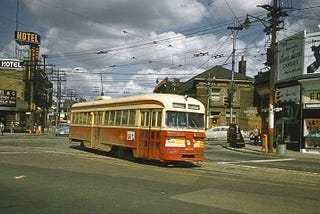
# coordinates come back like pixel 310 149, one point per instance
pixel 188 143
pixel 198 142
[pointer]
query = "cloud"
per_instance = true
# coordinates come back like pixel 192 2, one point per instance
pixel 224 10
pixel 8 50
pixel 134 43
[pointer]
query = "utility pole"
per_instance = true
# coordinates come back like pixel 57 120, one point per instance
pixel 234 30
pixel 272 76
pixel 275 13
pixel 59 77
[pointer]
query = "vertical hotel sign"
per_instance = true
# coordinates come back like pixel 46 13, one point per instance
pixel 27 38
pixel 33 40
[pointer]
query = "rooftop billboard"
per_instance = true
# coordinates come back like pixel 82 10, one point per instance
pixel 297 55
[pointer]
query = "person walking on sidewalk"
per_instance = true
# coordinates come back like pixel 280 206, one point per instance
pixel 1 128
pixel 12 128
pixel 256 135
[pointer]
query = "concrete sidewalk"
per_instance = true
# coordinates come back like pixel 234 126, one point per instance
pixel 25 135
pixel 250 148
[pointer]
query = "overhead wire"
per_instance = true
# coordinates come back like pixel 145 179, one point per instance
pixel 142 45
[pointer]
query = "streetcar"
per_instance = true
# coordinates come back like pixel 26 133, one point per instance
pixel 162 127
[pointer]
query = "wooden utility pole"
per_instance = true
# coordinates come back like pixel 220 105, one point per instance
pixel 271 28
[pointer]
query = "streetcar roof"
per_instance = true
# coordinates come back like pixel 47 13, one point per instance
pixel 166 100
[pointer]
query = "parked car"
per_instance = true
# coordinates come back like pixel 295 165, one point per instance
pixel 218 133
pixel 62 129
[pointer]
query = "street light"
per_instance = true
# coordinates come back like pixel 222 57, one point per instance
pixel 247 23
pixel 268 29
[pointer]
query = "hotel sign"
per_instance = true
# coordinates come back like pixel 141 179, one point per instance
pixel 10 64
pixel 27 38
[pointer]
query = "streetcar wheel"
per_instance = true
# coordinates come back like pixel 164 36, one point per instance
pixel 128 155
pixel 81 144
pixel 119 153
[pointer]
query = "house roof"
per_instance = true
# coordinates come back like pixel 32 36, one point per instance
pixel 219 72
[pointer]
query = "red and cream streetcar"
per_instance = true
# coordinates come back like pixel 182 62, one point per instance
pixel 164 127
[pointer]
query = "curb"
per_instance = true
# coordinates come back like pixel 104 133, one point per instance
pixel 314 157
pixel 247 150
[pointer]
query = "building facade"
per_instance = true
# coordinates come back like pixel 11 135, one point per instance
pixel 212 87
pixel 23 101
pixel 297 94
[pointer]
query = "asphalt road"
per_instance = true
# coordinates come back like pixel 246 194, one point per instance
pixel 45 174
pixel 215 152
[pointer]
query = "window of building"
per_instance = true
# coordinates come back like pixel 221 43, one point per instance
pixel 215 94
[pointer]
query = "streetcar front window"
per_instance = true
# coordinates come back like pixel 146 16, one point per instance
pixel 184 120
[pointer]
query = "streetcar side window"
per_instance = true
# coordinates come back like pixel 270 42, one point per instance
pixel 118 117
pixel 76 118
pixel 106 117
pixel 83 121
pixel 88 118
pixel 111 118
pixel 98 118
pixel 79 117
pixel 156 119
pixel 145 118
pixel 132 117
pixel 159 120
pixel 73 115
pixel 142 118
pixel 125 117
pixel 84 118
pixel 147 113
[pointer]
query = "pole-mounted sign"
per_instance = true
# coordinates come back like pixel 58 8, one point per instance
pixel 27 38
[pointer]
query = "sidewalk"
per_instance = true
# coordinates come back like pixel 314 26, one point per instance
pixel 250 148
pixel 25 135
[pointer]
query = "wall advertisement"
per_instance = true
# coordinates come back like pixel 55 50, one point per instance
pixel 312 133
pixel 298 54
pixel 8 98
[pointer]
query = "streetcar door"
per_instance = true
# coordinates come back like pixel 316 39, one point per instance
pixel 95 129
pixel 149 146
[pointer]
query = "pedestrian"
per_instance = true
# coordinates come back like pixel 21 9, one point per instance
pixel 1 128
pixel 256 135
pixel 34 128
pixel 12 128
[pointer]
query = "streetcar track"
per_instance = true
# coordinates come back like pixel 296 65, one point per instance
pixel 233 170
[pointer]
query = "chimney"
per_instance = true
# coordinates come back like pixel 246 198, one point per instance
pixel 243 66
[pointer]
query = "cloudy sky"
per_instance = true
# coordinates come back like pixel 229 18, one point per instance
pixel 133 43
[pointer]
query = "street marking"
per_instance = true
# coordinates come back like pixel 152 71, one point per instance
pixel 257 161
